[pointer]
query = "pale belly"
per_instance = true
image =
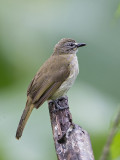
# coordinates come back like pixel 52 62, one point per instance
pixel 62 90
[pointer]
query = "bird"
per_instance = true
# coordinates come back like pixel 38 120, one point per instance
pixel 54 78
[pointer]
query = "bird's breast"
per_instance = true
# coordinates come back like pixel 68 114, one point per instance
pixel 74 70
pixel 66 85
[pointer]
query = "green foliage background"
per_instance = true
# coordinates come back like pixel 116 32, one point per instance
pixel 28 32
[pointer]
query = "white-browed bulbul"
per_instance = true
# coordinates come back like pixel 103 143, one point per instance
pixel 54 78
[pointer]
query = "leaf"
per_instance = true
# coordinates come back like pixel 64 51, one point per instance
pixel 115 147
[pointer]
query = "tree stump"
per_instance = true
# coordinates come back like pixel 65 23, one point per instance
pixel 71 141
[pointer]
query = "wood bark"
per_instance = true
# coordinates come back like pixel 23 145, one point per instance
pixel 71 141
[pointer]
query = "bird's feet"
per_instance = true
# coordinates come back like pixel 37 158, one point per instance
pixel 58 107
pixel 60 104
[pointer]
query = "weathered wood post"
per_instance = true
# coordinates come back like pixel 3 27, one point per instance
pixel 71 141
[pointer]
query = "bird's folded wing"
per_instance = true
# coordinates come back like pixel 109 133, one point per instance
pixel 48 93
pixel 46 82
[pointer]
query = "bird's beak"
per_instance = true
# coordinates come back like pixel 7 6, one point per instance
pixel 80 45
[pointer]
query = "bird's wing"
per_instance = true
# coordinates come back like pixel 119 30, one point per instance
pixel 48 93
pixel 48 80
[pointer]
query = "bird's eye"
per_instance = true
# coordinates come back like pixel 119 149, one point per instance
pixel 71 44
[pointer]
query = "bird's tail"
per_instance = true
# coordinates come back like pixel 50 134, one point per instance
pixel 26 113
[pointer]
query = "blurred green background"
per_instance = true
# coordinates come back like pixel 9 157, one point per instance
pixel 28 32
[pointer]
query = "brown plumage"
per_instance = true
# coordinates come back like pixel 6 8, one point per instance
pixel 52 80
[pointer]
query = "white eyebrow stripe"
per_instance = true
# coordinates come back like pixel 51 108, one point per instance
pixel 75 43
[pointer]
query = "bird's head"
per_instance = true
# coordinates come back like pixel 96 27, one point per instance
pixel 67 46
